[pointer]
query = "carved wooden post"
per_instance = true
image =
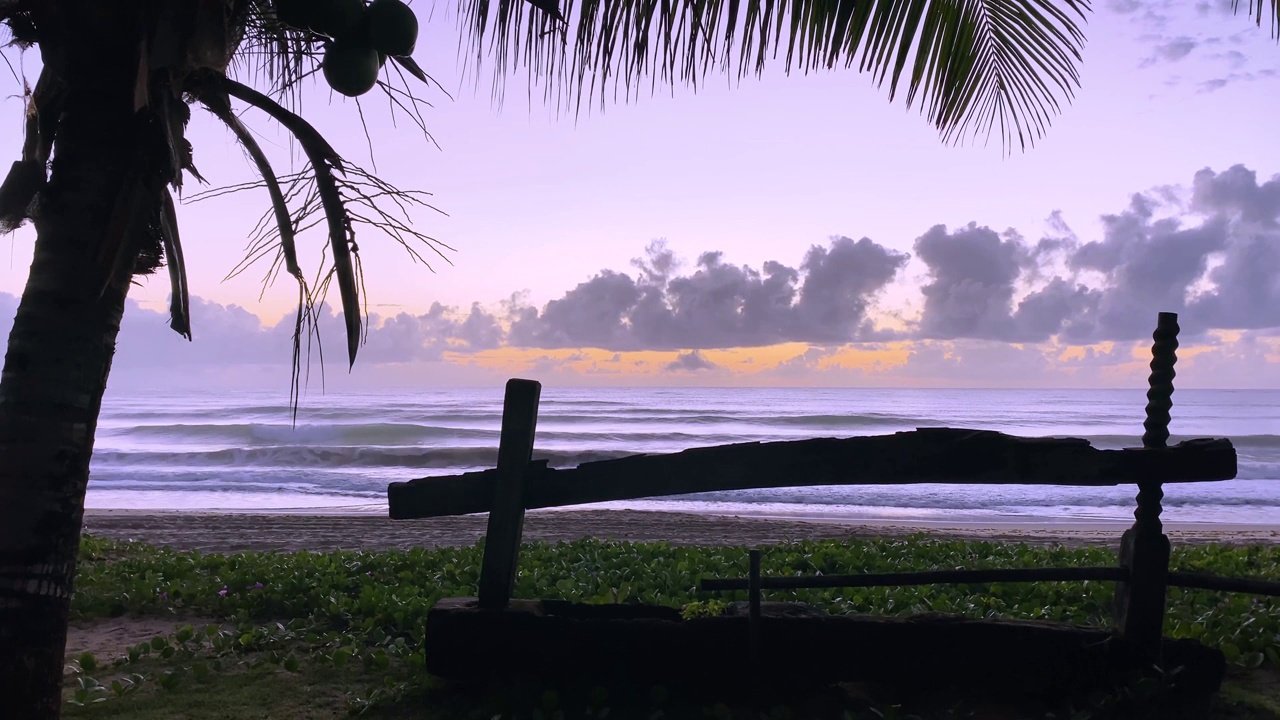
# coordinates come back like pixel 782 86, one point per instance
pixel 506 514
pixel 1144 549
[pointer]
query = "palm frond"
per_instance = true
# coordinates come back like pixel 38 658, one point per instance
pixel 330 191
pixel 324 161
pixel 274 55
pixel 221 108
pixel 179 296
pixel 976 67
pixel 1258 8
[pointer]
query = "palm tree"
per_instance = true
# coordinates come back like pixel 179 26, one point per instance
pixel 105 143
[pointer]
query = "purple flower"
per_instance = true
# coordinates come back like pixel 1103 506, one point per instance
pixel 164 597
pixel 255 586
pixel 223 591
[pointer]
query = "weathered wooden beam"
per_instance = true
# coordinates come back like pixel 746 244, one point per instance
pixel 930 455
pixel 927 577
pixel 506 511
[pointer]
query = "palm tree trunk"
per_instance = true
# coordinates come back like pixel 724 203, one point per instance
pixel 54 376
pixel 59 354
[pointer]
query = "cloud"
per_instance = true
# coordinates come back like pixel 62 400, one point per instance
pixel 1170 50
pixel 1149 15
pixel 1221 8
pixel 1210 253
pixel 593 314
pixel 232 347
pixel 1252 360
pixel 975 274
pixel 1233 58
pixel 1218 83
pixel 1123 7
pixel 230 334
pixel 1212 45
pixel 802 364
pixel 975 363
pixel 718 304
pixel 1246 283
pixel 839 281
pixel 1150 263
pixel 412 338
pixel 691 361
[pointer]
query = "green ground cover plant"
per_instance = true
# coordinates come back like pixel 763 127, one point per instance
pixel 330 634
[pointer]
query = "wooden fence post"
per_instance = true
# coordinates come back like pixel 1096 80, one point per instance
pixel 1144 548
pixel 506 514
pixel 753 610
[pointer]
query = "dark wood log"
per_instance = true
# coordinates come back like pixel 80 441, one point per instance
pixel 931 455
pixel 636 644
pixel 506 511
pixel 927 577
pixel 1144 548
pixel 1251 586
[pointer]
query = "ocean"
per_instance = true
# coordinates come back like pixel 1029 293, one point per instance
pixel 242 451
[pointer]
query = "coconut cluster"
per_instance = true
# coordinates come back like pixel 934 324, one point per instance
pixel 363 37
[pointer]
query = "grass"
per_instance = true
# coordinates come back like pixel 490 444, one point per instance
pixel 314 635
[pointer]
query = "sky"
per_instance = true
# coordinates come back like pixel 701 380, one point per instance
pixel 782 230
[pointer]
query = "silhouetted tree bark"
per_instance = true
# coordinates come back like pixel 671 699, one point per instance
pixel 60 350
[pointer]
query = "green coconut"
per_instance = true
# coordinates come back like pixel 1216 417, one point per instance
pixel 337 18
pixel 393 28
pixel 351 68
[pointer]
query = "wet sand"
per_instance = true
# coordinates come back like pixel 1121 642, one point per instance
pixel 288 532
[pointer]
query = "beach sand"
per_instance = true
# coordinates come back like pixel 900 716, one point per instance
pixel 287 532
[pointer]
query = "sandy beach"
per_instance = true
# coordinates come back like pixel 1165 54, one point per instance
pixel 288 532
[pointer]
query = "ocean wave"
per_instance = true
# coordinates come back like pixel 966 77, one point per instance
pixel 1237 493
pixel 1248 441
pixel 185 418
pixel 1245 495
pixel 293 456
pixel 415 446
pixel 241 434
pixel 580 401
pixel 441 426
pixel 346 445
pixel 734 417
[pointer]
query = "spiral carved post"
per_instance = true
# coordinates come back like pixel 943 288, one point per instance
pixel 1144 549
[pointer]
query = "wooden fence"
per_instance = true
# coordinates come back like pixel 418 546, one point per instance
pixel 931 455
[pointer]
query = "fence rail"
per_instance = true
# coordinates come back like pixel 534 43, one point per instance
pixel 1199 581
pixel 925 577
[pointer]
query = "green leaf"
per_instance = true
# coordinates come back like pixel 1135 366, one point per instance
pixel 976 67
